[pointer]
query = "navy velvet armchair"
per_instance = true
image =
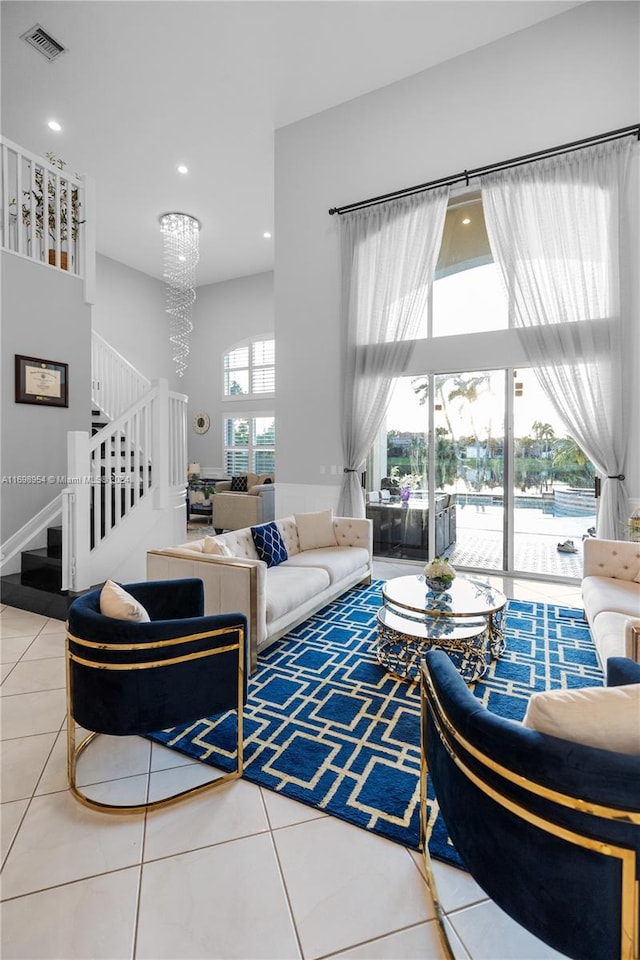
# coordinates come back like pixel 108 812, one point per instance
pixel 128 678
pixel 550 829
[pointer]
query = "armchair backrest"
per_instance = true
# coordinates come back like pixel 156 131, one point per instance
pixel 549 829
pixel 135 678
pixel 234 511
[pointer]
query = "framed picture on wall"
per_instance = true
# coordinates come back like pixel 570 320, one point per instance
pixel 44 382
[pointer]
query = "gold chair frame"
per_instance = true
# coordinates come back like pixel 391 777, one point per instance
pixel 74 751
pixel 453 742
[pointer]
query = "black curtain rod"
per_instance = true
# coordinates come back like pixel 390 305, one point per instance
pixel 466 175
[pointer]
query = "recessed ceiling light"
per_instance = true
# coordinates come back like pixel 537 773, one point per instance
pixel 54 125
pixel 183 169
pixel 266 235
pixel 466 221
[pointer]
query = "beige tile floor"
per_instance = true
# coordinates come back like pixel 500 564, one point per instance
pixel 242 873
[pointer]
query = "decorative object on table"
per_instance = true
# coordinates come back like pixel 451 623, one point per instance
pixel 61 220
pixel 201 422
pixel 405 493
pixel 193 471
pixel 45 382
pixel 439 574
pixel 181 234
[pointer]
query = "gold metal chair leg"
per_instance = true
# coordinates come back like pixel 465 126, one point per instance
pixel 74 752
pixel 424 842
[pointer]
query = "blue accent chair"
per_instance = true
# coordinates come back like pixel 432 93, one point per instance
pixel 548 828
pixel 128 679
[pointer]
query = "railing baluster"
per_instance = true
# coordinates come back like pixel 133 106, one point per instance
pixel 37 177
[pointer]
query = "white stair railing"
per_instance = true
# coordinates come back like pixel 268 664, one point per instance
pixel 141 452
pixel 47 215
pixel 115 383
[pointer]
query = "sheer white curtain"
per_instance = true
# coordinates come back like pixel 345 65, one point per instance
pixel 389 253
pixel 554 227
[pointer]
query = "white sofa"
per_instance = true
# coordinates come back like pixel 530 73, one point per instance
pixel 275 599
pixel 611 597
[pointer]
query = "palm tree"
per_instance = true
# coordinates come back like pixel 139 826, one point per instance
pixel 544 433
pixel 467 391
pixel 576 467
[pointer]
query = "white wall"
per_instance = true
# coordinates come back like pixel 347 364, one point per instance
pixel 43 316
pixel 570 77
pixel 224 314
pixel 130 314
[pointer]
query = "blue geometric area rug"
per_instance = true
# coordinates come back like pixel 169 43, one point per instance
pixel 326 725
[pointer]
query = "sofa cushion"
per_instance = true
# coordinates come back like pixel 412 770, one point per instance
pixel 269 543
pixel 288 588
pixel 339 562
pixel 217 547
pixel 604 717
pixel 315 530
pixel 289 532
pixel 117 603
pixel 196 546
pixel 608 593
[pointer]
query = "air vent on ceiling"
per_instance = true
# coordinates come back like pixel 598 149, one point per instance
pixel 43 42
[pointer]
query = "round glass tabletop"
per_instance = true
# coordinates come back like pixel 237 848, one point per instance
pixel 466 597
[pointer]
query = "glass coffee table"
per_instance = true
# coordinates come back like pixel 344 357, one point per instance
pixel 465 621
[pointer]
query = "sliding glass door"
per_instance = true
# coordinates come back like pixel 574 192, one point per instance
pixel 476 467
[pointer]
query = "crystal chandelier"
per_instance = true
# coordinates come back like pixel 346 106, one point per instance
pixel 181 237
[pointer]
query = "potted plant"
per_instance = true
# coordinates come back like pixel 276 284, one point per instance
pixel 69 206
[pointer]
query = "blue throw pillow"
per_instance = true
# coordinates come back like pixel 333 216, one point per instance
pixel 269 543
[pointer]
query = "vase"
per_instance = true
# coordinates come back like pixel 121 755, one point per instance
pixel 439 575
pixel 405 493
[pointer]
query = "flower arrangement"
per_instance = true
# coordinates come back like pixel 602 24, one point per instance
pixel 439 574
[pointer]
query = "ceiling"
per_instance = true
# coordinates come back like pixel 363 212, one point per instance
pixel 144 86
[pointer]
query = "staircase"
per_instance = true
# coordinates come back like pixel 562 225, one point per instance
pixel 38 586
pixel 134 459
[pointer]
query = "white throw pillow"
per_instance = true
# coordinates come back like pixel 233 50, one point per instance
pixel 117 603
pixel 216 547
pixel 605 717
pixel 315 530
